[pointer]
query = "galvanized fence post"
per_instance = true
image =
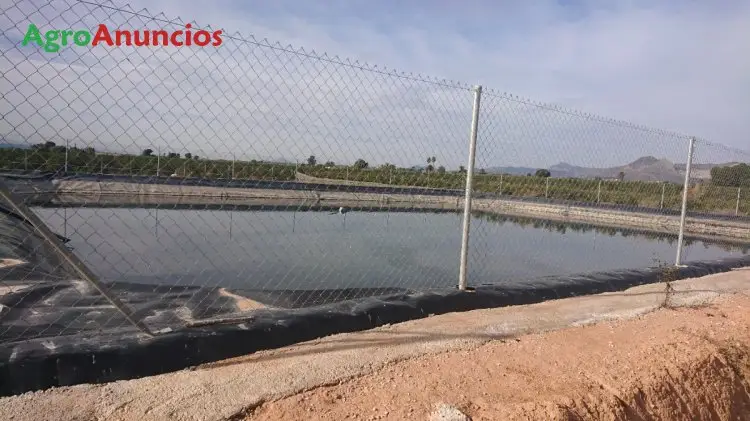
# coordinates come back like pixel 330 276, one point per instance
pixel 737 206
pixel 469 188
pixel 663 188
pixel 684 201
pixel 66 156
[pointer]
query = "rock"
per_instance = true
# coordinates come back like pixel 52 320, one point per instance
pixel 444 412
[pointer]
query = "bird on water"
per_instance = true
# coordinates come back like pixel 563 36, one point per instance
pixel 342 210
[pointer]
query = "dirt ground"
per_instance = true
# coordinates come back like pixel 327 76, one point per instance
pixel 677 364
pixel 613 356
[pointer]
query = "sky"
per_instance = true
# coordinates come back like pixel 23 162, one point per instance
pixel 663 67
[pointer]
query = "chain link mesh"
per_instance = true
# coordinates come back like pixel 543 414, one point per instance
pixel 719 189
pixel 205 183
pixel 600 194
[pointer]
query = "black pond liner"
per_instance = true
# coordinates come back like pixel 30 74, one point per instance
pixel 124 354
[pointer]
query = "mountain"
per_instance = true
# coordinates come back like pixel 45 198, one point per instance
pixel 511 170
pixel 647 168
pixel 702 171
pixel 278 160
pixel 681 167
pixel 4 145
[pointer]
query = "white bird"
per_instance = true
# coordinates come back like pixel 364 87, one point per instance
pixel 341 211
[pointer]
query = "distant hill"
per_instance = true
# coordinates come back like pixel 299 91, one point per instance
pixel 647 168
pixel 702 171
pixel 511 170
pixel 277 160
pixel 13 145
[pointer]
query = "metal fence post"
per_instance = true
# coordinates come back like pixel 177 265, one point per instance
pixel 684 201
pixel 66 156
pixel 469 181
pixel 737 207
pixel 663 187
pixel 546 187
pixel 599 192
pixel 501 184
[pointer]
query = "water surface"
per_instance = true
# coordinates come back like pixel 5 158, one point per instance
pixel 318 250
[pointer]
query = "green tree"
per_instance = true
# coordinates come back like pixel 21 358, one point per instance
pixel 430 163
pixel 621 175
pixel 441 170
pixel 361 164
pixel 731 176
pixel 188 155
pixel 147 152
pixel 542 173
pixel 311 160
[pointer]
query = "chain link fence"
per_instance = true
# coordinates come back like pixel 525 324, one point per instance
pixel 602 184
pixel 162 188
pixel 719 189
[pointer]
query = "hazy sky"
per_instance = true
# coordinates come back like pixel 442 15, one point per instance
pixel 675 65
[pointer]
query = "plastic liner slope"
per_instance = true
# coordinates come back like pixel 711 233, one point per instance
pixel 124 353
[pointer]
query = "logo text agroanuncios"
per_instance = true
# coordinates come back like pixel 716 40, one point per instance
pixel 51 41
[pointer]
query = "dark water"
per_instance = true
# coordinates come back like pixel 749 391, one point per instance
pixel 316 250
